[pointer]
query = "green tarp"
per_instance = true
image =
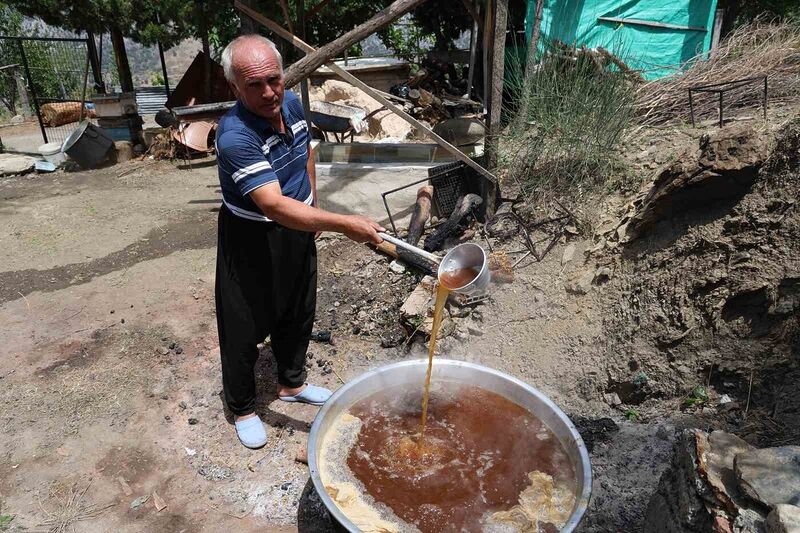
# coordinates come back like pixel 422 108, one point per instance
pixel 685 31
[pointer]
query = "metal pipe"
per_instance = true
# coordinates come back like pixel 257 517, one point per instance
pixel 413 249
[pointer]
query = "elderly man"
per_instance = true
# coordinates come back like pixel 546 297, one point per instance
pixel 266 281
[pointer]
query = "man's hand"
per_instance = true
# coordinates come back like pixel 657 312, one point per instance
pixel 362 229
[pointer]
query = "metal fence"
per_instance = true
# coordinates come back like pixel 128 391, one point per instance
pixel 56 72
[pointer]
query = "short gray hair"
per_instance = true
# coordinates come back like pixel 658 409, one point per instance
pixel 227 54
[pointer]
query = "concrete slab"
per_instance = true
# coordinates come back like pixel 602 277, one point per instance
pixel 350 188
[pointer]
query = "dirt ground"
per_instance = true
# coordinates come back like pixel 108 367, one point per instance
pixel 110 373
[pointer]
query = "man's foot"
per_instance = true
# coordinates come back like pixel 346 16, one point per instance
pixel 310 394
pixel 251 431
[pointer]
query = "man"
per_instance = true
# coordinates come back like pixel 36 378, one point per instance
pixel 266 256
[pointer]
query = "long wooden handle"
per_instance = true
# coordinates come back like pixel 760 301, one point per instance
pixel 413 249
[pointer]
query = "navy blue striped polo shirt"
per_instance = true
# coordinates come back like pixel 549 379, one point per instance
pixel 251 153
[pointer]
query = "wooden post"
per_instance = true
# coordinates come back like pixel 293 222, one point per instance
pixel 718 17
pixel 314 60
pixel 473 51
pixel 494 80
pixel 532 48
pixel 301 27
pixel 121 56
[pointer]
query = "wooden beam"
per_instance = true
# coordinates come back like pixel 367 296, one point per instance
pixel 652 24
pixel 458 154
pixel 314 60
pixel 472 11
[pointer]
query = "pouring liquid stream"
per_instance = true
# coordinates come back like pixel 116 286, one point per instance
pixel 450 280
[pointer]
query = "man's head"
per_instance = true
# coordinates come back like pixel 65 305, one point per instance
pixel 254 69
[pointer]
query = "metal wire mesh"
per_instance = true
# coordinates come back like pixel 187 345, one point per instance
pixel 56 78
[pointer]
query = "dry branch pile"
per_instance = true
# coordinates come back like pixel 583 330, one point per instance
pixel 757 49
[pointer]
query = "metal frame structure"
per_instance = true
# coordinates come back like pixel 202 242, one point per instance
pixel 91 60
pixel 722 87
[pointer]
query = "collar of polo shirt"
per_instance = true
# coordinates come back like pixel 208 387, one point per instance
pixel 262 125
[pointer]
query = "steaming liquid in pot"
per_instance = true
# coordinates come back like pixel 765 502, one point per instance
pixel 480 452
pixel 449 280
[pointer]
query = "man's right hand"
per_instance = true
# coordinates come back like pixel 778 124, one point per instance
pixel 362 229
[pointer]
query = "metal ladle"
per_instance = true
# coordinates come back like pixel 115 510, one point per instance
pixel 466 255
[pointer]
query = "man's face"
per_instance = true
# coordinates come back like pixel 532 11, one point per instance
pixel 259 80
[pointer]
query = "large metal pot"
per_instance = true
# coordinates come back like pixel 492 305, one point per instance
pixel 412 373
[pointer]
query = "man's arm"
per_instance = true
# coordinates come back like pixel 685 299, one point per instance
pixel 297 215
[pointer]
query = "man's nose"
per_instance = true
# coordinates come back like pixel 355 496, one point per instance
pixel 268 93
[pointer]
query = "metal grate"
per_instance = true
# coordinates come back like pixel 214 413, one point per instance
pixel 448 186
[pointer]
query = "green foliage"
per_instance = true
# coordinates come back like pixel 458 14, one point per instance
pixel 157 79
pixel 631 414
pixel 698 396
pixel 566 121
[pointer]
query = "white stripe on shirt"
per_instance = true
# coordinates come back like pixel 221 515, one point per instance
pixel 290 162
pixel 252 215
pixel 274 161
pixel 269 143
pixel 250 169
pixel 297 126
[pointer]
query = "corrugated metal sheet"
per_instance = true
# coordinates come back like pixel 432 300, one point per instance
pixel 150 99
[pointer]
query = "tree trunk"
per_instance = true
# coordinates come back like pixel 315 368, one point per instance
pixel 121 56
pixel 732 8
pixel 310 63
pixel 246 24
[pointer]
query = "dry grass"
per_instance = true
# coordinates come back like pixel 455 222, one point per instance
pixel 756 49
pixel 72 509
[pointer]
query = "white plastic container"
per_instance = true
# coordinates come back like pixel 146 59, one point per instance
pixel 52 152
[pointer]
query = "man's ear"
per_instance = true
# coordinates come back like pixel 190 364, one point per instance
pixel 234 89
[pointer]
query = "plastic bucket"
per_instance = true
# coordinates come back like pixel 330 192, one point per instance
pixel 88 145
pixel 52 152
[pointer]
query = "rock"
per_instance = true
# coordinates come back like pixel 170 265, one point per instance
pixel 17 119
pixel 569 253
pixel 771 475
pixel 192 421
pixel 602 275
pixel 784 518
pixel 138 502
pixel 162 350
pixel 417 303
pixel 124 151
pixel 724 399
pixel 724 167
pixel 612 399
pixel 11 164
pixel 699 486
pixel 749 521
pixel 580 285
pixel 182 405
pixel 397 267
pixel 715 462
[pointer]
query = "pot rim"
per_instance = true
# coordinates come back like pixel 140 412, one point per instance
pixel 582 499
